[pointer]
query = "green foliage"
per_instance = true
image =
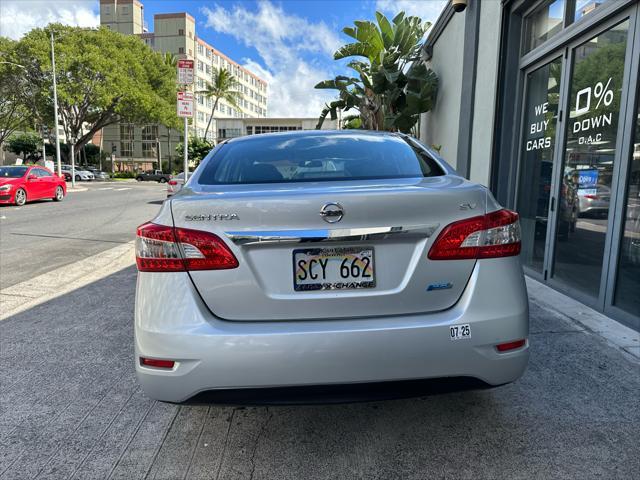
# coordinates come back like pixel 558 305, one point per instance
pixel 103 77
pixel 14 114
pixel 393 86
pixel 26 144
pixel 198 149
pixel 124 174
pixel 223 86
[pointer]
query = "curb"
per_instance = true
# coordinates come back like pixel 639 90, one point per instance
pixel 30 293
pixel 614 333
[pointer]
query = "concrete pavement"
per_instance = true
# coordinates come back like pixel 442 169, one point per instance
pixel 70 406
pixel 45 235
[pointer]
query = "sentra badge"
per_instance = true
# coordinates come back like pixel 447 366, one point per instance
pixel 212 217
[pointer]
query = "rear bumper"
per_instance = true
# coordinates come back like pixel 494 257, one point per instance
pixel 215 354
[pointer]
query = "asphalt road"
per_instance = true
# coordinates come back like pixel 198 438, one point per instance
pixel 45 235
pixel 70 406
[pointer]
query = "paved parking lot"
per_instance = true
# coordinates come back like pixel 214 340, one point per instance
pixel 71 408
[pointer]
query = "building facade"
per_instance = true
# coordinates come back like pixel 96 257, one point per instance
pixel 239 127
pixel 539 101
pixel 175 33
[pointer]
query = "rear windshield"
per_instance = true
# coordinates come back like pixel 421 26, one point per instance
pixel 12 172
pixel 319 157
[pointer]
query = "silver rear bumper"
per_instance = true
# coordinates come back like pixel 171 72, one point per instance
pixel 217 354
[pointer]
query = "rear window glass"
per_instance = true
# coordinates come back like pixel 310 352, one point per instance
pixel 316 157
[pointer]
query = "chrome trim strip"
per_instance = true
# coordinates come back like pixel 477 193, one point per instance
pixel 255 237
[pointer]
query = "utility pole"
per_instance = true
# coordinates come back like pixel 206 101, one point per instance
pixel 55 112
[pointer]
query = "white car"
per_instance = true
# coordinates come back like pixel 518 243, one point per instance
pixel 325 258
pixel 79 173
pixel 174 185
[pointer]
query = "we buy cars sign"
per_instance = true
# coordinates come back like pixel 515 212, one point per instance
pixel 185 104
pixel 185 71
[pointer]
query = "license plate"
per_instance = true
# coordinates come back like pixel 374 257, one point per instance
pixel 333 268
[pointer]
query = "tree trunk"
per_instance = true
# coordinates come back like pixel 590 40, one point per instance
pixel 213 109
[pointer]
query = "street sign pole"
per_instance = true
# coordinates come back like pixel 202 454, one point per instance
pixel 186 149
pixel 185 106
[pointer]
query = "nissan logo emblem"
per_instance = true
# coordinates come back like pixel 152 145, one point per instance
pixel 332 212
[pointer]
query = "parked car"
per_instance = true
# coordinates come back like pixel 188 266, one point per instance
pixel 174 185
pixel 153 176
pixel 100 176
pixel 78 172
pixel 381 264
pixel 594 200
pixel 20 184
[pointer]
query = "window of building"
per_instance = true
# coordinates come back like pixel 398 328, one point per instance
pixel 585 7
pixel 181 31
pixel 149 133
pixel 200 49
pixel 149 150
pixel 180 49
pixel 229 132
pixel 149 141
pixel 200 66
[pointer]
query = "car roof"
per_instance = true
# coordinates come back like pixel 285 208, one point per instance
pixel 315 133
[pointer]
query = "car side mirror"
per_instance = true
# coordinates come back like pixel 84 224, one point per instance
pixel 31 177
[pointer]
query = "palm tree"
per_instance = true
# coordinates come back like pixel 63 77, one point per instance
pixel 223 87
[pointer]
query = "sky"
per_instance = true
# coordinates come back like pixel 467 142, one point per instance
pixel 288 43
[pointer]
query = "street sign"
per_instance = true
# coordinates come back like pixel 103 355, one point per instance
pixel 185 71
pixel 185 104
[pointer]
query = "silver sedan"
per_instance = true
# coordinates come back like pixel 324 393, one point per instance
pixel 322 258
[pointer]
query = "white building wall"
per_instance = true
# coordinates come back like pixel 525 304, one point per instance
pixel 485 94
pixel 440 126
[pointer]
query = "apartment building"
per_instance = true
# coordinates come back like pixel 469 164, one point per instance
pixel 142 146
pixel 239 127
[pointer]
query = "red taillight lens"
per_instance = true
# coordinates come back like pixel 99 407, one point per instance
pixel 591 197
pixel 173 182
pixel 160 248
pixel 154 362
pixel 505 347
pixel 493 235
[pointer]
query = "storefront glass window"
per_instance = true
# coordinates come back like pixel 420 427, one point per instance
pixel 541 115
pixel 627 295
pixel 543 24
pixel 592 129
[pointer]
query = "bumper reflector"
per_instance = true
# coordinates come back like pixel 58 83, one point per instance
pixel 154 362
pixel 505 347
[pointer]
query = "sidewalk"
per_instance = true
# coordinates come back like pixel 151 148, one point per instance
pixel 71 407
pixel 585 318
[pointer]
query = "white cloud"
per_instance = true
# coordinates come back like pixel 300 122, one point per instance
pixel 426 9
pixel 281 40
pixel 17 17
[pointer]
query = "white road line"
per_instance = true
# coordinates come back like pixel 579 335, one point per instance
pixel 121 189
pixel 106 188
pixel 40 289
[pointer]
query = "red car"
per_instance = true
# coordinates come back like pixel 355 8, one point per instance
pixel 22 183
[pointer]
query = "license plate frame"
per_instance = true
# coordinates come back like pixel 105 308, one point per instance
pixel 339 253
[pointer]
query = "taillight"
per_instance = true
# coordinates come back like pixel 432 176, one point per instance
pixel 173 182
pixel 591 197
pixel 495 234
pixel 160 248
pixel 156 363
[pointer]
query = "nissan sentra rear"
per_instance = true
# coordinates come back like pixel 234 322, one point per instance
pixel 327 258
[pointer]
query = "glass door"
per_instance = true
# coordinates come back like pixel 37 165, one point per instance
pixel 536 160
pixel 586 176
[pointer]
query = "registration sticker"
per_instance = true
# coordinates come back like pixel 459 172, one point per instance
pixel 459 332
